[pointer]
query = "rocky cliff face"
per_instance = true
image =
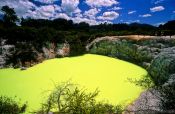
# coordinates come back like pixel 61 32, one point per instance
pixel 61 50
pixel 26 55
pixel 5 51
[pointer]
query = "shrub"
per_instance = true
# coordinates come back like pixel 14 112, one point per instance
pixel 144 82
pixel 10 106
pixel 69 99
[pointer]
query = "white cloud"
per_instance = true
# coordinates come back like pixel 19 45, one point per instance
pixel 1 13
pixel 26 8
pixel 109 16
pixel 62 15
pixel 161 23
pixel 70 6
pixel 78 15
pixel 132 21
pixel 46 11
pixel 131 12
pixel 145 15
pixel 104 22
pixel 158 1
pixel 92 13
pixel 100 3
pixel 89 21
pixel 77 11
pixel 157 8
pixel 43 12
pixel 115 8
pixel 57 8
pixel 46 1
pixel 20 6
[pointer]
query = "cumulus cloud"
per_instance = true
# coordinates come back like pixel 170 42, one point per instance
pixel 100 3
pixel 77 11
pixel 105 22
pixel 25 8
pixel 20 6
pixel 109 16
pixel 131 12
pixel 1 15
pixel 43 12
pixel 70 6
pixel 78 15
pixel 89 21
pixel 115 8
pixel 46 1
pixel 68 10
pixel 57 8
pixel 47 11
pixel 160 23
pixel 145 15
pixel 132 21
pixel 158 1
pixel 62 15
pixel 92 13
pixel 157 8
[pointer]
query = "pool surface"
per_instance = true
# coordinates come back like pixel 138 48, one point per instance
pixel 89 71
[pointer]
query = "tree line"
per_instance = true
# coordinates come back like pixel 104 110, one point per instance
pixel 60 30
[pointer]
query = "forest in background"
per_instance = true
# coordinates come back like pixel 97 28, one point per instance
pixel 41 31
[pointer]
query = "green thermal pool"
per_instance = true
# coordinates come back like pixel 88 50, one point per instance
pixel 109 75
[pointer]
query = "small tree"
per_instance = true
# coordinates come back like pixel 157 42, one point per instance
pixel 10 16
pixel 69 99
pixel 169 33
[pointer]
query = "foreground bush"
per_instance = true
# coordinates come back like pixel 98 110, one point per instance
pixel 10 106
pixel 69 99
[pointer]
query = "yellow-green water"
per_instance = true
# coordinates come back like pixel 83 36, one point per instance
pixel 109 75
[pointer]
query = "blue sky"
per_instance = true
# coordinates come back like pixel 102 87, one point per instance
pixel 96 11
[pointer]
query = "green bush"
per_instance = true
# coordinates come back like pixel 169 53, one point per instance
pixel 69 99
pixel 10 106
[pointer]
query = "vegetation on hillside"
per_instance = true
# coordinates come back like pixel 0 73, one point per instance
pixel 40 31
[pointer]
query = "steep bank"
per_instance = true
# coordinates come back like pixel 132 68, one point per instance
pixel 25 54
